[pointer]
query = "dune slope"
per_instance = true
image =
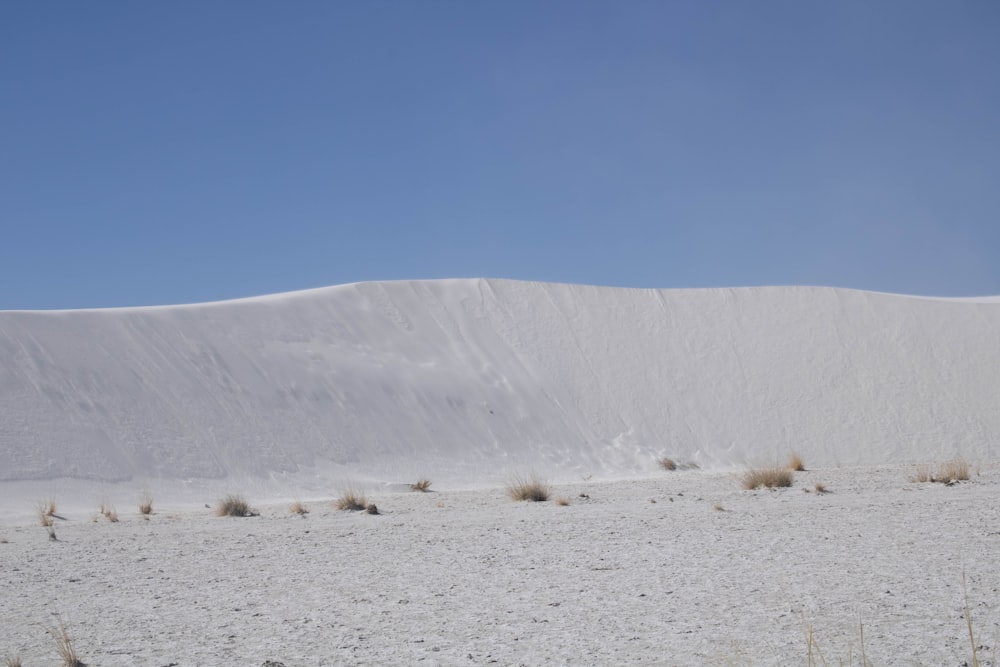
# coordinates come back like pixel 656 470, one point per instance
pixel 465 379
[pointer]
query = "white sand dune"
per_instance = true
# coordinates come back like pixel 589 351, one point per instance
pixel 466 382
pixel 461 379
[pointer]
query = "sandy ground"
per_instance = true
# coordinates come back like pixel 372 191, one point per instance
pixel 683 569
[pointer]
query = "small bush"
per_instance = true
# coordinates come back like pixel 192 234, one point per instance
pixel 13 661
pixel 422 484
pixel 923 474
pixel 298 507
pixel 668 463
pixel 233 505
pixel 530 488
pixel 562 501
pixel 146 503
pixel 795 463
pixel 771 478
pixel 820 487
pixel 351 500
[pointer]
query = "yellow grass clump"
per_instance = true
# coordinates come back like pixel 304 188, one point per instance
pixel 771 478
pixel 233 505
pixel 146 503
pixel 422 484
pixel 527 488
pixel 352 500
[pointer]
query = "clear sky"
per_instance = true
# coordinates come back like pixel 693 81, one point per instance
pixel 155 153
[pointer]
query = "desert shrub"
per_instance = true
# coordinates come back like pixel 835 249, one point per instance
pixel 298 507
pixel 923 474
pixel 775 477
pixel 352 500
pixel 667 463
pixel 146 503
pixel 233 505
pixel 795 463
pixel 422 484
pixel 562 501
pixel 820 487
pixel 527 488
pixel 13 661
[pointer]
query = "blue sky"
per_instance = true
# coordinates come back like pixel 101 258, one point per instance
pixel 155 153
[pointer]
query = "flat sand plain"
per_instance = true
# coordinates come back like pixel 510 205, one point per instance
pixel 686 568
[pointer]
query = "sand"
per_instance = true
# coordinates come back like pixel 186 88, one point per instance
pixel 682 568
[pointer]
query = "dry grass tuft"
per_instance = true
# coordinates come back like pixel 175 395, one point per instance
pixel 948 472
pixel 820 487
pixel 527 488
pixel 968 622
pixel 562 501
pixel 13 661
pixel 795 463
pixel 952 471
pixel 772 478
pixel 44 517
pixel 233 505
pixel 146 503
pixel 422 484
pixel 668 463
pixel 65 646
pixel 108 511
pixel 718 507
pixel 351 499
pixel 298 507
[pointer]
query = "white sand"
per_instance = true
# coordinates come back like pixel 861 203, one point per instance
pixel 468 381
pixel 470 578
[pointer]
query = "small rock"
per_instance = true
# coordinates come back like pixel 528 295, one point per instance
pixel 371 509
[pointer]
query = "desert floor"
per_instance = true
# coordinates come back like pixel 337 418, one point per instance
pixel 684 569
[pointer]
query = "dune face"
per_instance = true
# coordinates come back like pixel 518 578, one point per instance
pixel 463 379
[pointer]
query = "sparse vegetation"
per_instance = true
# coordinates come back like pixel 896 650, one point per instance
pixel 352 500
pixel 795 463
pixel 948 472
pixel 771 478
pixel 65 646
pixel 109 512
pixel 146 503
pixel 968 622
pixel 718 507
pixel 13 661
pixel 298 507
pixel 422 484
pixel 233 505
pixel 527 488
pixel 562 501
pixel 668 463
pixel 820 487
pixel 44 517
